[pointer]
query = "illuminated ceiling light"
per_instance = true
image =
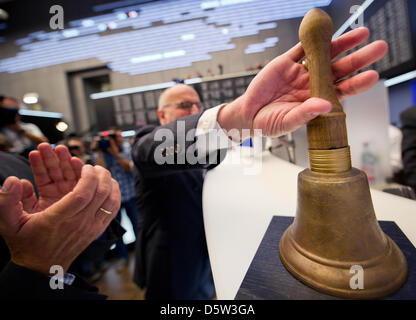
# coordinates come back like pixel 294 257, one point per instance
pixel 217 3
pixel 122 16
pixel 31 98
pixel 44 114
pixel 230 2
pixel 102 27
pixel 189 36
pixel 172 54
pixel 400 79
pixel 272 40
pixel 151 57
pixel 112 25
pixel 132 14
pixel 95 45
pixel 128 133
pixel 70 33
pixel 4 15
pixel 150 87
pixel 209 4
pixel 62 126
pixel 88 23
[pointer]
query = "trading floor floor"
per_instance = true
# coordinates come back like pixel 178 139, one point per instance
pixel 118 284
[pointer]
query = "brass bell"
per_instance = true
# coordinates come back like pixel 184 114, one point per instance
pixel 335 228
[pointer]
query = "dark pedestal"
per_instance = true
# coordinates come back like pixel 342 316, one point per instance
pixel 268 279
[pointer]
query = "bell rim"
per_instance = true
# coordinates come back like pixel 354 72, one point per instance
pixel 341 264
pixel 393 284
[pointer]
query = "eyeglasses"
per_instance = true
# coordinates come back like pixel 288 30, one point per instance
pixel 185 105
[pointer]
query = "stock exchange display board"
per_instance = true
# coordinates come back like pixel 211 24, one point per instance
pixel 395 22
pixel 133 110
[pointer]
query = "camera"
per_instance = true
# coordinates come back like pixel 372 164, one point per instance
pixel 104 139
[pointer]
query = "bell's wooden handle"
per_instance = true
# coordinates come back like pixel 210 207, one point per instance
pixel 315 32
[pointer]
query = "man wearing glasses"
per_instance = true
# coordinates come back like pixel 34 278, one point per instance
pixel 172 258
pixel 177 102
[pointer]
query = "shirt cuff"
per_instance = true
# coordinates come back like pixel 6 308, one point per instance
pixel 209 134
pixel 208 120
pixel 68 279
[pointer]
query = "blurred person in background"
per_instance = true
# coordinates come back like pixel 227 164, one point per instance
pixel 77 149
pixel 5 144
pixel 396 162
pixel 24 137
pixel 408 120
pixel 89 265
pixel 395 142
pixel 111 155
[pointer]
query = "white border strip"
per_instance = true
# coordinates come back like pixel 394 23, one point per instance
pixel 36 113
pixel 388 83
pixel 164 85
pixel 128 133
pixel 351 19
pixel 399 79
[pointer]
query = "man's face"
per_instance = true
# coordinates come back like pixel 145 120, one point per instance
pixel 10 103
pixel 76 148
pixel 179 102
pixel 12 114
pixel 118 138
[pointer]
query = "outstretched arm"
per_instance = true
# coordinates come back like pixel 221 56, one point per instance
pixel 278 99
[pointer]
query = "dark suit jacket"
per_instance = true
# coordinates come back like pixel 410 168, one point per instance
pixel 171 259
pixel 408 119
pixel 17 282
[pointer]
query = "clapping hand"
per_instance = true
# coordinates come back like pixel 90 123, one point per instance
pixel 55 172
pixel 76 204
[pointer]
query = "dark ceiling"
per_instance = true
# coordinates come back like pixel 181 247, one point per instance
pixel 29 14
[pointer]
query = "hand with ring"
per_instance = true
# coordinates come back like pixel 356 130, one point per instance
pixel 56 227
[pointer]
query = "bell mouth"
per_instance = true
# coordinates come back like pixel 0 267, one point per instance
pixel 372 261
pixel 336 228
pixel 333 277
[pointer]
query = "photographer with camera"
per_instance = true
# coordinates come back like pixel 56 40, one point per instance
pixel 111 155
pixel 24 137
